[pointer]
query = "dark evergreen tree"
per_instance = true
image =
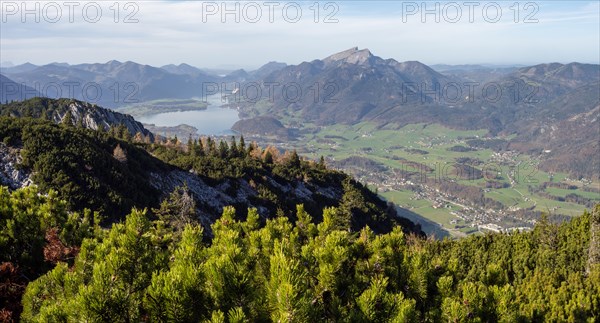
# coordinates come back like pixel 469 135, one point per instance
pixel 223 149
pixel 321 163
pixel 67 119
pixel 242 146
pixel 268 159
pixel 233 148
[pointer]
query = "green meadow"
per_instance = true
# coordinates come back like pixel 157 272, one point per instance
pixel 398 147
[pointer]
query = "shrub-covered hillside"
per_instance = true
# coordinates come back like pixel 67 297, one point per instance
pixel 149 270
pixel 127 227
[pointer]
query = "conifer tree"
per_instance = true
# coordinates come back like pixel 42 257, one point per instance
pixel 179 209
pixel 67 119
pixel 223 149
pixel 119 154
pixel 198 149
pixel 242 146
pixel 286 287
pixel 178 295
pixel 321 164
pixel 233 148
pixel 112 130
pixel 190 145
pixel 138 138
pixel 268 158
pixel 212 147
pixel 294 161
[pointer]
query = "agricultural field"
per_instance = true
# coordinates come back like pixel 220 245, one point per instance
pixel 430 152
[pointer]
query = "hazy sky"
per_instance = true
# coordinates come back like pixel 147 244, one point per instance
pixel 164 32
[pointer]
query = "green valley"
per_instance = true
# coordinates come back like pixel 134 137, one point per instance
pixel 410 165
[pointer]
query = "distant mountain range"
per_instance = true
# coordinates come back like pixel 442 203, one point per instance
pixel 111 84
pixel 114 84
pixel 185 69
pixel 11 90
pixel 353 86
pixel 356 86
pixel 536 103
pixel 475 73
pixel 18 68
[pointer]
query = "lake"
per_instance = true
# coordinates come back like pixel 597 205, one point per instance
pixel 212 121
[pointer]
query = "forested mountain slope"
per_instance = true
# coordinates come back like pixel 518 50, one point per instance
pixel 111 84
pixel 111 170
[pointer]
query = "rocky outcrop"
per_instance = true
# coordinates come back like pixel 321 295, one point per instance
pixel 83 114
pixel 212 198
pixel 93 116
pixel 10 174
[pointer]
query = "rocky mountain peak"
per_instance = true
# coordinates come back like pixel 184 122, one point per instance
pixel 350 56
pixel 113 62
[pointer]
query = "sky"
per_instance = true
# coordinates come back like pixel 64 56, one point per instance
pixel 248 34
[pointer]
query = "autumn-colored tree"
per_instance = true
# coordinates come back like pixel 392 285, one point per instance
pixel 119 154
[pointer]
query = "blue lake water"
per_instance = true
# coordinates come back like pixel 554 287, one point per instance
pixel 212 121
